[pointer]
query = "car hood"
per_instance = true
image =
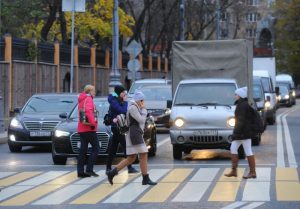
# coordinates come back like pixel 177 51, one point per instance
pixel 156 104
pixel 39 117
pixel 209 117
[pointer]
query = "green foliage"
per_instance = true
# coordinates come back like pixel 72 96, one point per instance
pixel 287 36
pixel 32 51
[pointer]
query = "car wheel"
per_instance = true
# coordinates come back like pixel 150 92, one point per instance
pixel 272 120
pixel 152 150
pixel 241 152
pixel 177 152
pixel 59 160
pixel 14 147
pixel 187 151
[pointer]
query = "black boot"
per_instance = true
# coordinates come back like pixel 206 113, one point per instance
pixel 132 170
pixel 147 180
pixel 111 174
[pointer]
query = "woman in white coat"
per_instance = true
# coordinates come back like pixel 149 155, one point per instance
pixel 136 117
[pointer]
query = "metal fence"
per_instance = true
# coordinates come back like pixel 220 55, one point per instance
pixel 2 49
pixel 46 52
pixel 1 115
pixel 20 49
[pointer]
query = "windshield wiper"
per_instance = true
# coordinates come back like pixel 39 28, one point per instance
pixel 213 104
pixel 185 104
pixel 67 101
pixel 41 99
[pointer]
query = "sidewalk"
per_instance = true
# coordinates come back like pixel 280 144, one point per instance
pixel 3 137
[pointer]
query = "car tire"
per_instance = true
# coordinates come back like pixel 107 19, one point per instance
pixel 58 160
pixel 272 120
pixel 256 140
pixel 14 147
pixel 177 152
pixel 152 150
pixel 241 152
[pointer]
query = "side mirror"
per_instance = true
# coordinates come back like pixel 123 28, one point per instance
pixel 17 110
pixel 63 115
pixel 268 98
pixel 169 104
pixel 277 90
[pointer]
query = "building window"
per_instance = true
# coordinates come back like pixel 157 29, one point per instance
pixel 253 2
pixel 251 33
pixel 252 17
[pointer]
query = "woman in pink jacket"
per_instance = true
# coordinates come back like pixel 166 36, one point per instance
pixel 87 127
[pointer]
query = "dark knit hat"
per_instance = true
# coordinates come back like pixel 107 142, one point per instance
pixel 119 89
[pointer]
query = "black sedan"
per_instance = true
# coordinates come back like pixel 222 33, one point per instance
pixel 34 123
pixel 66 140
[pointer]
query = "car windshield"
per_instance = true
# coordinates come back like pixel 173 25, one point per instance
pixel 50 104
pixel 286 84
pixel 283 90
pixel 136 86
pixel 101 105
pixel 157 93
pixel 205 94
pixel 257 92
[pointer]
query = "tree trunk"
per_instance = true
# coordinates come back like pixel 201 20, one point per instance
pixel 51 18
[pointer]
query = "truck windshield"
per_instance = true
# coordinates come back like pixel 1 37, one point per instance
pixel 205 93
pixel 266 84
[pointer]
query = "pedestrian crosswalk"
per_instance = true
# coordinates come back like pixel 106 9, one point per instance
pixel 174 185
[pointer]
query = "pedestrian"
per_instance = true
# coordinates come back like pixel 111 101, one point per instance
pixel 136 117
pixel 242 134
pixel 87 127
pixel 118 105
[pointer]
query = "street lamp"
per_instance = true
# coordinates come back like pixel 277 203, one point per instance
pixel 218 11
pixel 182 5
pixel 115 74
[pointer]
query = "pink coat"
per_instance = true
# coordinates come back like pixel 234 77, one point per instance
pixel 89 111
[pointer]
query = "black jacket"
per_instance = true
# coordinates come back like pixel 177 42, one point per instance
pixel 242 129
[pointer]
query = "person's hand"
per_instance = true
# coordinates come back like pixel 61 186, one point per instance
pixel 115 120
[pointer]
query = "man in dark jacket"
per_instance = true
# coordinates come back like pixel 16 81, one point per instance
pixel 242 134
pixel 118 105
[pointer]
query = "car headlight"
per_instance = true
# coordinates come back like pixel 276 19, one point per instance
pixel 278 97
pixel 293 93
pixel 179 122
pixel 16 124
pixel 286 96
pixel 167 111
pixel 231 122
pixel 59 133
pixel 267 104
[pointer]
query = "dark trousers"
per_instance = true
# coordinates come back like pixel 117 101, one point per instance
pixel 116 140
pixel 85 139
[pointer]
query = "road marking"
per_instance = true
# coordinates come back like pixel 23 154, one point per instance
pixel 234 205
pixel 166 186
pixel 102 191
pixel 253 205
pixel 5 174
pixel 258 189
pixel 280 151
pixel 287 184
pixel 42 178
pixel 13 190
pixel 131 191
pixel 227 187
pixel 288 142
pixel 17 178
pixel 40 191
pixel 163 141
pixel 194 190
pixel 287 174
pixel 62 195
pixel 93 180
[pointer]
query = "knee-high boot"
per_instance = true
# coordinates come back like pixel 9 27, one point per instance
pixel 234 164
pixel 252 172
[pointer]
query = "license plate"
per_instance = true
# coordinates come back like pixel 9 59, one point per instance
pixel 206 132
pixel 89 145
pixel 40 133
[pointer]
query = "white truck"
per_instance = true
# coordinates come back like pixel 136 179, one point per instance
pixel 205 75
pixel 265 67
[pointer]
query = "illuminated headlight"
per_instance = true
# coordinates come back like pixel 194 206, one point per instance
pixel 286 96
pixel 59 133
pixel 167 111
pixel 12 138
pixel 179 122
pixel 149 126
pixel 231 122
pixel 16 124
pixel 267 104
pixel 293 93
pixel 278 97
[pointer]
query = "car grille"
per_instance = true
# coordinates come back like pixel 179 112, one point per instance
pixel 40 125
pixel 102 137
pixel 206 139
pixel 156 112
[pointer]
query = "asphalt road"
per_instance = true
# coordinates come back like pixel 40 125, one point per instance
pixel 30 180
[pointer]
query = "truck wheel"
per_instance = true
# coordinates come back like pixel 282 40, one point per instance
pixel 241 152
pixel 14 147
pixel 177 152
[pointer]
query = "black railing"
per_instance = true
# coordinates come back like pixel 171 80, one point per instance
pixel 20 49
pixel 100 57
pixel 46 52
pixel 2 49
pixel 65 54
pixel 84 55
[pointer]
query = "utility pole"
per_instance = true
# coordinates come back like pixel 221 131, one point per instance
pixel 218 11
pixel 115 74
pixel 182 5
pixel 72 50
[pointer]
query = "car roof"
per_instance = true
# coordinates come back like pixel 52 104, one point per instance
pixel 153 80
pixel 55 95
pixel 208 80
pixel 156 86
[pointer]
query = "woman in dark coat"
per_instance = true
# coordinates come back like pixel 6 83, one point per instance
pixel 242 134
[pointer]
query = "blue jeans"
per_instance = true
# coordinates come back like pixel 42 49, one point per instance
pixel 85 139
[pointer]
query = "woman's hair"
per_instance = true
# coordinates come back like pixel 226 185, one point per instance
pixel 88 88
